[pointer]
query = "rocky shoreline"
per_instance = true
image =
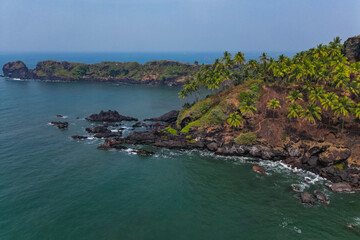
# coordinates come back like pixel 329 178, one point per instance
pixel 315 156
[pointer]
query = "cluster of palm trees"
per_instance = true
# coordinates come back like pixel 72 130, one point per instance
pixel 213 76
pixel 331 83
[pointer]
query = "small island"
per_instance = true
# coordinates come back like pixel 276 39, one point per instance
pixel 162 72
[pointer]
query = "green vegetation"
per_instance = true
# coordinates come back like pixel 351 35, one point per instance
pixel 186 129
pixel 235 120
pixel 171 131
pixel 319 81
pixel 248 138
pixel 273 104
pixel 155 70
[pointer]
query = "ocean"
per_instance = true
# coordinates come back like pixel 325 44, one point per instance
pixel 54 187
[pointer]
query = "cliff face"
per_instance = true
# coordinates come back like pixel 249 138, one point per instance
pixel 153 73
pixel 352 49
pixel 17 70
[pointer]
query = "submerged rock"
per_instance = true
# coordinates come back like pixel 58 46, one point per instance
pixel 98 129
pixel 169 117
pixel 341 187
pixel 259 169
pixel 109 116
pixel 320 196
pixel 77 137
pixel 307 198
pixel 143 153
pixel 60 125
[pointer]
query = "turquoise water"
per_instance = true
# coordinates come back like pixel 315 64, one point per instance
pixel 52 187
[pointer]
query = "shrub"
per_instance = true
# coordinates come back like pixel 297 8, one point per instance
pixel 248 138
pixel 215 116
pixel 187 127
pixel 171 131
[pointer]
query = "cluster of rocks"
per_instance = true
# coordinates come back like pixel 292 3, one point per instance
pixel 312 156
pixel 109 116
pixel 309 198
pixel 60 125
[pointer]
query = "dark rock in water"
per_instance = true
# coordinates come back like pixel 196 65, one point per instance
pixel 143 153
pixel 341 187
pixel 296 188
pixel 139 124
pixel 59 116
pixel 259 169
pixel 169 117
pixel 307 198
pixel 320 196
pixel 352 49
pixel 108 134
pixel 60 125
pixel 109 116
pixel 77 137
pixel 17 70
pixel 98 129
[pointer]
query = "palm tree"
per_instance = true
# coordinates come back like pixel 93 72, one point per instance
pixel 317 94
pixel 357 110
pixel 328 101
pixel 247 106
pixel 273 104
pixel 311 113
pixel 235 120
pixel 342 108
pixel 294 95
pixel 264 58
pixel 239 58
pixel 294 110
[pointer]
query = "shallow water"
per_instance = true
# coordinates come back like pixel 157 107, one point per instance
pixel 52 187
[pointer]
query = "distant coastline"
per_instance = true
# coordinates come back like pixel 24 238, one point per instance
pixel 162 72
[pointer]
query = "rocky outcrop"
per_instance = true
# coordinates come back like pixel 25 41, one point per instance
pixel 320 196
pixel 334 155
pixel 98 129
pixel 60 125
pixel 341 187
pixel 17 69
pixel 109 116
pixel 169 117
pixel 259 169
pixel 78 137
pixel 307 198
pixel 352 49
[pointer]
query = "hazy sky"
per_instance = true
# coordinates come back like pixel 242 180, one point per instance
pixel 174 25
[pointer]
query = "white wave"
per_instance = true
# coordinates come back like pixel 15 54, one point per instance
pixel 296 229
pixel 357 221
pixel 130 151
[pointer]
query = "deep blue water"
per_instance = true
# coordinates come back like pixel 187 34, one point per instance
pixel 30 59
pixel 53 187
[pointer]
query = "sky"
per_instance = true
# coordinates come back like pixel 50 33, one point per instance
pixel 174 25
